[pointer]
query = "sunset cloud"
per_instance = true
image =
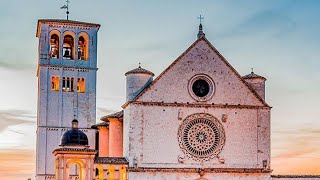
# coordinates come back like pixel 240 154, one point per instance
pixel 296 151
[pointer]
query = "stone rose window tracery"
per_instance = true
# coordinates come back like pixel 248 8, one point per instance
pixel 201 137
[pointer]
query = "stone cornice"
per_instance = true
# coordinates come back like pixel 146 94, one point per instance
pixel 75 150
pixel 111 160
pixel 197 170
pixel 295 176
pixel 66 23
pixel 71 67
pixel 67 128
pixel 196 105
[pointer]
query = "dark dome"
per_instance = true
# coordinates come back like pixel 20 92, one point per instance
pixel 74 137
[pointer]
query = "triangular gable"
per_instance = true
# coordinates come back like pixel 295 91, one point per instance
pixel 152 95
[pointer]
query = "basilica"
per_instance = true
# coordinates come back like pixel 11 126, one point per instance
pixel 198 120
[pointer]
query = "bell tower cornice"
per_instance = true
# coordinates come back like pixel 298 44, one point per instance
pixel 66 24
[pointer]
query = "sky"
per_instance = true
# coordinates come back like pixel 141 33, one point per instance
pixel 279 39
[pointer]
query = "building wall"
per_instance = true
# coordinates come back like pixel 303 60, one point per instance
pixel 153 141
pixel 152 121
pixel 56 109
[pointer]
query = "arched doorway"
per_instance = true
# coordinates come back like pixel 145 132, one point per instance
pixel 75 167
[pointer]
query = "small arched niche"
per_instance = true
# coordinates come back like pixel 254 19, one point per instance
pixel 83 53
pixel 68 46
pixel 54 46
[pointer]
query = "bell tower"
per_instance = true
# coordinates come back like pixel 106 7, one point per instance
pixel 67 70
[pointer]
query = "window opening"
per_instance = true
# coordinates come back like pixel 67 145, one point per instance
pixel 54 46
pixel 68 44
pixel 81 85
pixel 67 84
pixel 55 80
pixel 82 48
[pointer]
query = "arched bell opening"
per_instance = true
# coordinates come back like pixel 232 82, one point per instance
pixel 54 45
pixel 83 47
pixel 68 47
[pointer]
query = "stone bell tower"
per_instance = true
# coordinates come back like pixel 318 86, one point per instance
pixel 67 68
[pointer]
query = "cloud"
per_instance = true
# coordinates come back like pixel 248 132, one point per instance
pixel 15 117
pixel 299 143
pixel 297 149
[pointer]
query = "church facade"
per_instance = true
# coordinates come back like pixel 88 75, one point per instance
pixel 199 119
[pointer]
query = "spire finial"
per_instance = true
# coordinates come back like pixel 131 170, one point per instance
pixel 66 6
pixel 139 65
pixel 200 32
pixel 252 71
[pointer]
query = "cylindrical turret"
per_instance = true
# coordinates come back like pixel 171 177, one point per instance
pixel 257 83
pixel 137 80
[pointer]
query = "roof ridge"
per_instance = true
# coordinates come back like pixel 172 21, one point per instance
pixel 236 72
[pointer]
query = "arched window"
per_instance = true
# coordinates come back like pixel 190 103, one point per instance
pixel 68 47
pixel 54 46
pixel 81 85
pixel 83 48
pixel 55 83
pixel 67 84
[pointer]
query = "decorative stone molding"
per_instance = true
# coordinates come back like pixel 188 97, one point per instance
pixel 196 105
pixel 224 118
pixel 196 170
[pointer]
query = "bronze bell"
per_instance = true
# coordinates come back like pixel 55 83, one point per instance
pixel 66 53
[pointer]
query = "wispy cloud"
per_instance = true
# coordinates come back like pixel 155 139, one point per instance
pixel 295 149
pixel 15 117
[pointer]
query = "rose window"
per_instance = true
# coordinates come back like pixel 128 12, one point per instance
pixel 201 137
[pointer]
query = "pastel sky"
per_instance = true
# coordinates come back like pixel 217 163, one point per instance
pixel 279 39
